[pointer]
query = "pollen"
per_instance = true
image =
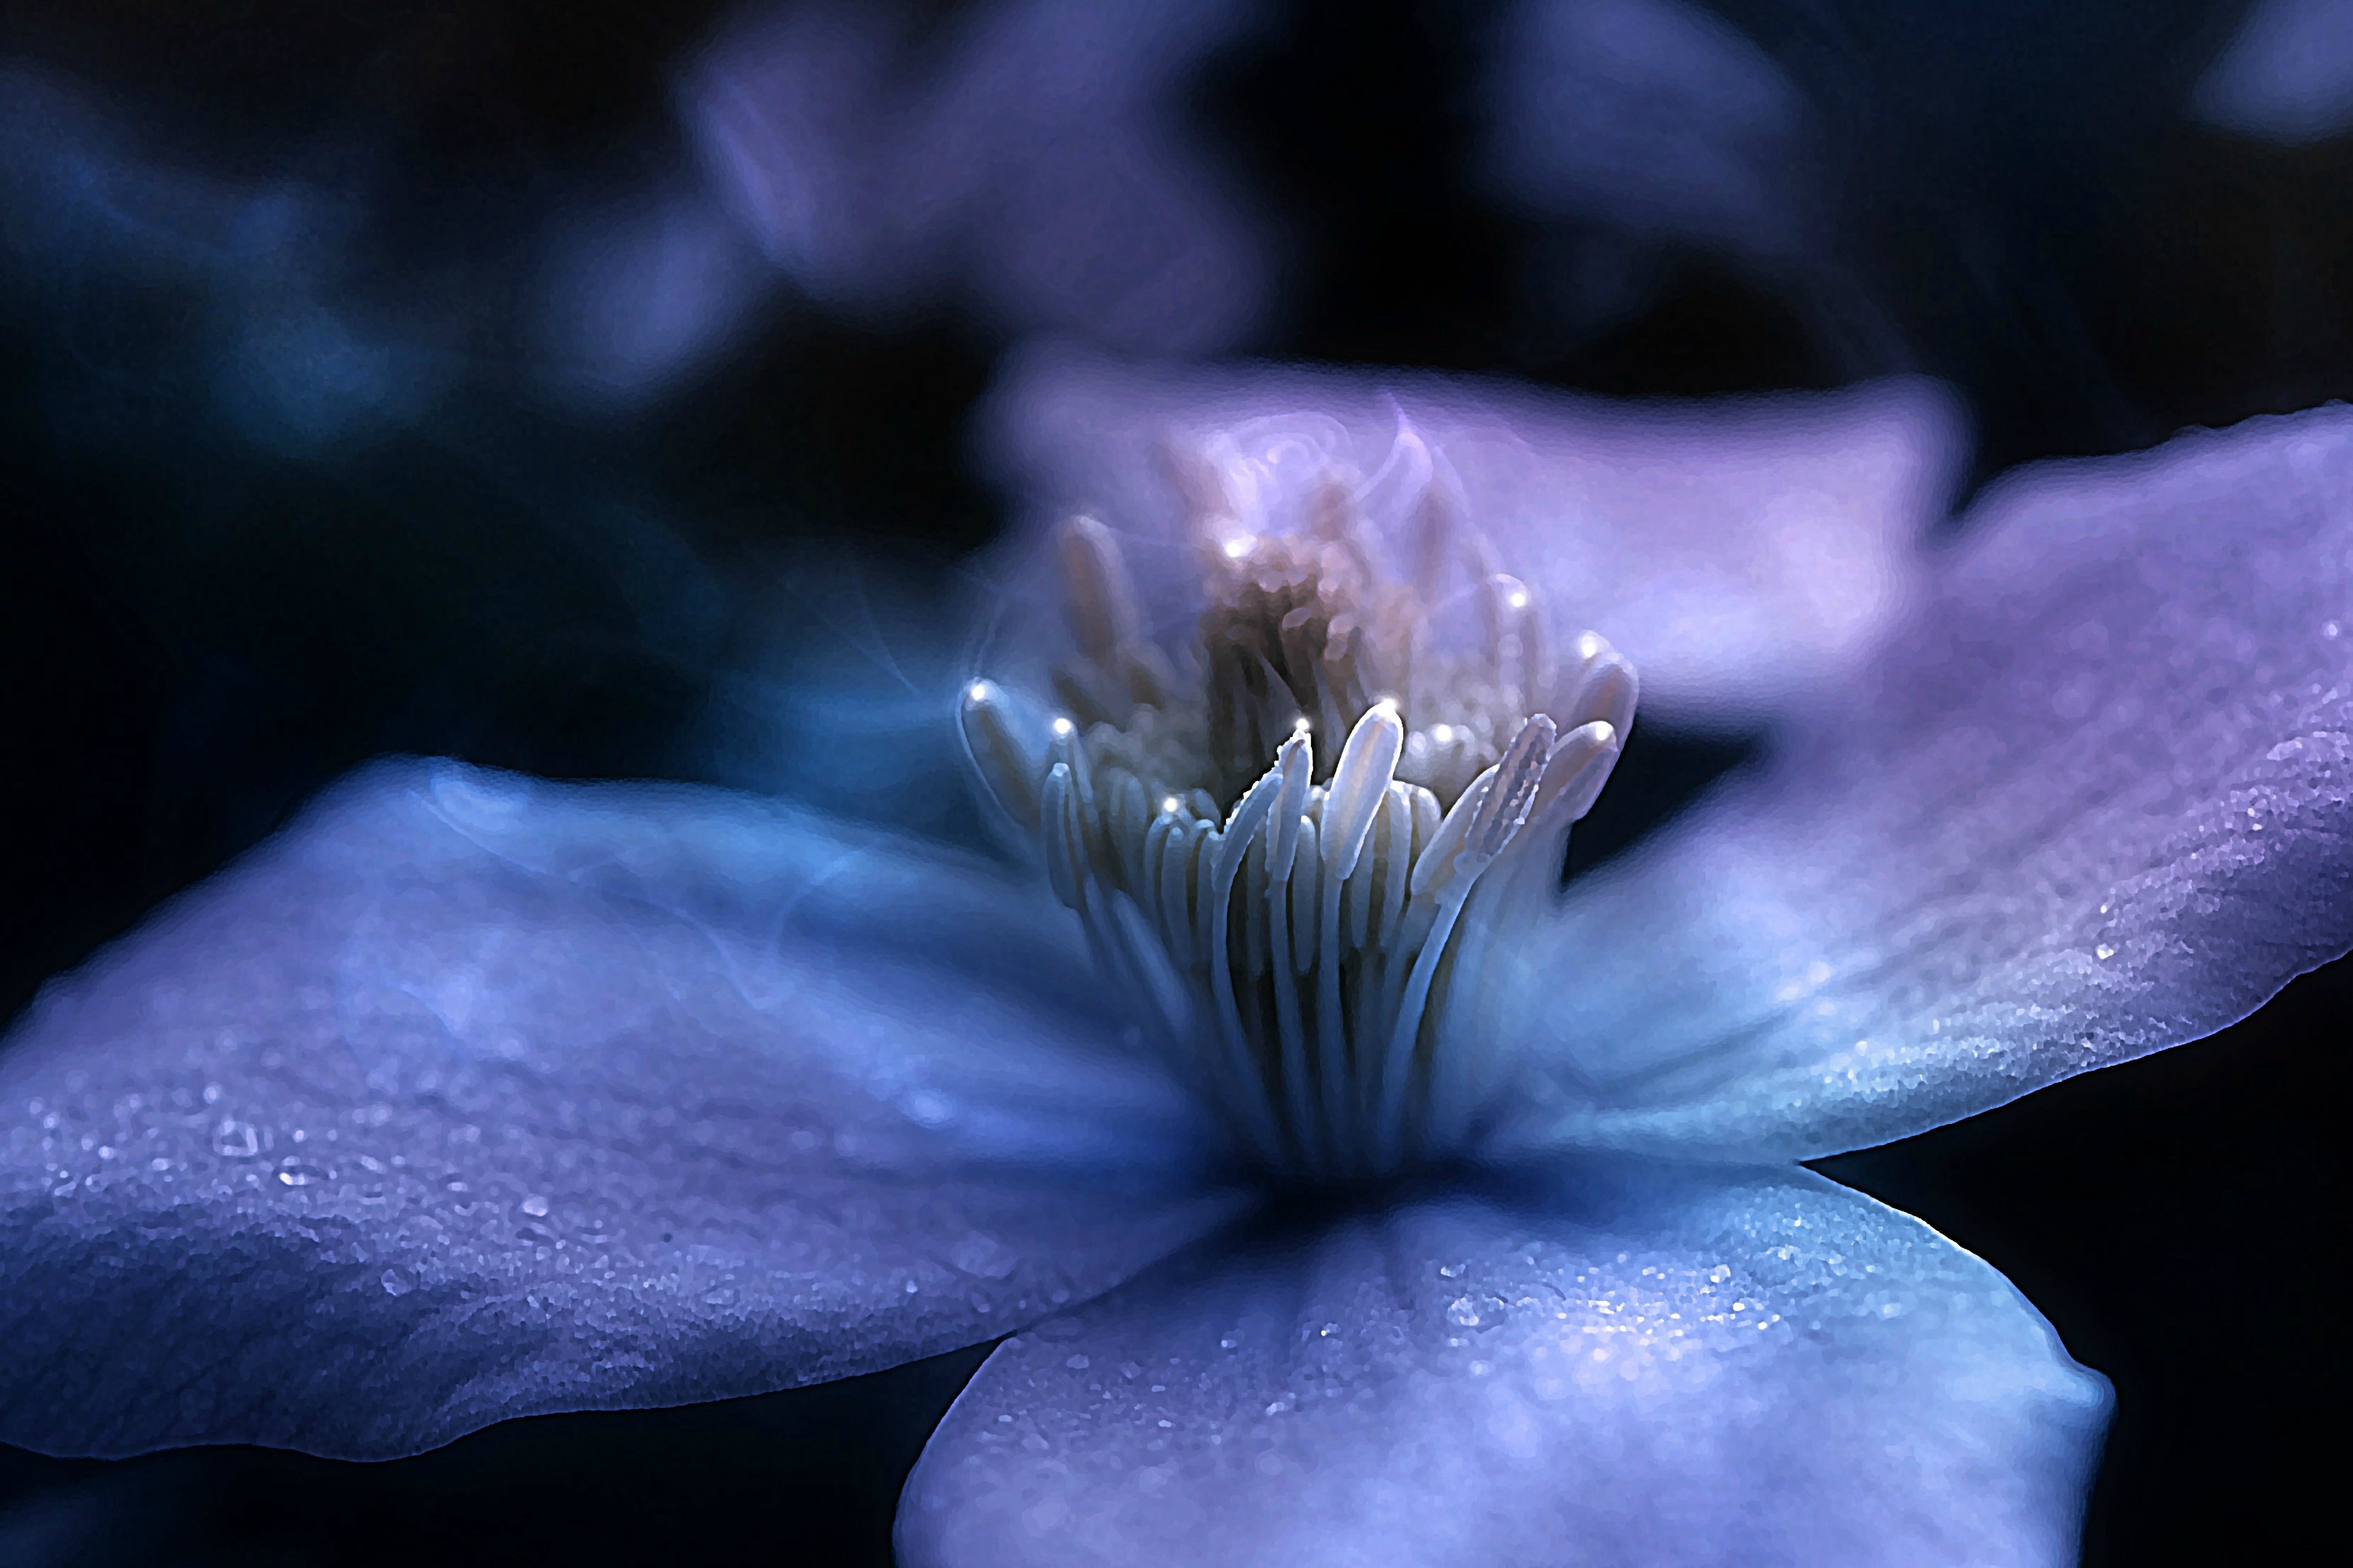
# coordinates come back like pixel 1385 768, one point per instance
pixel 1295 839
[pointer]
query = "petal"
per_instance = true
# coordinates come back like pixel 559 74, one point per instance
pixel 2286 75
pixel 1032 152
pixel 1654 1367
pixel 1736 550
pixel 1655 115
pixel 471 1097
pixel 2092 803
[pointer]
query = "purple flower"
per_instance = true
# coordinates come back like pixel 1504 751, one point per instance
pixel 1353 1193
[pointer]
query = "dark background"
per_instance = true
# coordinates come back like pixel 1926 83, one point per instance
pixel 201 622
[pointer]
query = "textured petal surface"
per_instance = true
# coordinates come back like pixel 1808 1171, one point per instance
pixel 1735 551
pixel 1653 1370
pixel 2096 801
pixel 472 1096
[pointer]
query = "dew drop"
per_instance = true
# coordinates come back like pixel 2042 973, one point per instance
pixel 394 1284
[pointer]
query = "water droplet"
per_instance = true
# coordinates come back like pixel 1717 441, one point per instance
pixel 535 1206
pixel 1449 1271
pixel 912 1287
pixel 1229 1342
pixel 235 1139
pixel 1463 1314
pixel 2103 952
pixel 1327 1330
pixel 394 1284
pixel 300 1175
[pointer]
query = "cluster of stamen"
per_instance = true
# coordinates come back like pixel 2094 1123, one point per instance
pixel 1295 850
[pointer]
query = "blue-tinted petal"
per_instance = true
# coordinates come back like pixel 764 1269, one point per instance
pixel 1655 115
pixel 1655 1368
pixel 1735 551
pixel 2096 800
pixel 1028 153
pixel 2286 75
pixel 472 1096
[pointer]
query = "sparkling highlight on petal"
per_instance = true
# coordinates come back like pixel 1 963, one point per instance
pixel 1291 846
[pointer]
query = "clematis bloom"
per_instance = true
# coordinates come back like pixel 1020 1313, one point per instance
pixel 1389 1203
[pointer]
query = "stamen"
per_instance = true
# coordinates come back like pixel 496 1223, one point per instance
pixel 1298 947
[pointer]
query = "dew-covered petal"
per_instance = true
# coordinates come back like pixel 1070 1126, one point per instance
pixel 471 1097
pixel 1736 550
pixel 1653 1368
pixel 2096 800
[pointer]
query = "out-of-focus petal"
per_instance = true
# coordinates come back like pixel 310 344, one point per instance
pixel 1656 116
pixel 2286 75
pixel 1736 550
pixel 2096 800
pixel 472 1096
pixel 1650 1370
pixel 1031 154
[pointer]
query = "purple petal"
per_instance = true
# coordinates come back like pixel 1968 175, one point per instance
pixel 2096 800
pixel 1657 1369
pixel 2286 75
pixel 1735 551
pixel 471 1097
pixel 1652 115
pixel 1031 153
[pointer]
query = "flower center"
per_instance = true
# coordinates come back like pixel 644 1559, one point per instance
pixel 1292 847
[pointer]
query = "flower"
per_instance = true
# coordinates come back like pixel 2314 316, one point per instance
pixel 473 1096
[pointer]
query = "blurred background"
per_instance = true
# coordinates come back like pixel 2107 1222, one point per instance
pixel 590 389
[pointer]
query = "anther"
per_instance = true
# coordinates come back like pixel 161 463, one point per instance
pixel 1304 950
